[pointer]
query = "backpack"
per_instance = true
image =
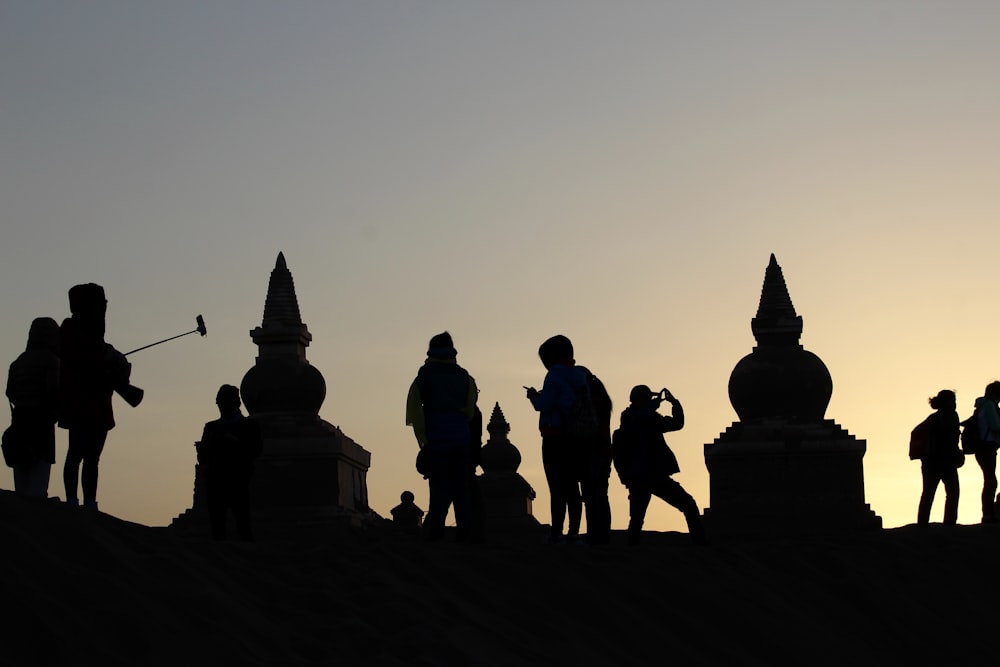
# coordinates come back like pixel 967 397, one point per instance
pixel 972 441
pixel 622 452
pixel 581 420
pixel 920 440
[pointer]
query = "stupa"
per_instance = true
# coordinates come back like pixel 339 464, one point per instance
pixel 507 496
pixel 783 469
pixel 310 472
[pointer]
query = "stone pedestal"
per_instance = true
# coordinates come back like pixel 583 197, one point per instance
pixel 781 477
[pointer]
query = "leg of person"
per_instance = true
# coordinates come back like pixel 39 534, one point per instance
pixel 76 442
pixel 574 472
pixel 638 501
pixel 987 461
pixel 951 491
pixel 930 481
pixel 239 501
pixel 22 473
pixel 215 498
pixel 437 504
pixel 460 492
pixel 574 508
pixel 91 459
pixel 38 479
pixel 669 490
pixel 552 464
pixel 477 509
pixel 595 499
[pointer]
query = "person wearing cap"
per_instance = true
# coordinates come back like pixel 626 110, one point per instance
pixel 33 392
pixel 226 453
pixel 441 406
pixel 646 463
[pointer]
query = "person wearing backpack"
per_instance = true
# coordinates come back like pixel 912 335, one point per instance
pixel 988 421
pixel 441 408
pixel 33 392
pixel 645 462
pixel 940 463
pixel 563 455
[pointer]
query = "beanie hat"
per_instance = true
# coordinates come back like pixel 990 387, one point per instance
pixel 441 347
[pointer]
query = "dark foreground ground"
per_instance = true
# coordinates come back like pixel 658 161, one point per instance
pixel 88 589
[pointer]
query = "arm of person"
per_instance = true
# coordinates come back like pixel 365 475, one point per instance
pixel 471 399
pixel 674 421
pixel 546 399
pixel 202 447
pixel 415 414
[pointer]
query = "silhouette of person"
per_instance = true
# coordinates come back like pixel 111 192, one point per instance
pixel 563 460
pixel 406 514
pixel 597 467
pixel 988 421
pixel 477 503
pixel 941 463
pixel 33 392
pixel 226 453
pixel 440 406
pixel 647 463
pixel 90 371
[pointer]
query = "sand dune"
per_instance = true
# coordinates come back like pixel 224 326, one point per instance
pixel 87 588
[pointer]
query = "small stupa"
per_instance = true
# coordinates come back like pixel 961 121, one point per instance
pixel 310 472
pixel 783 468
pixel 507 496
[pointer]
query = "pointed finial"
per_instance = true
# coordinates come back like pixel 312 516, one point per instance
pixel 499 453
pixel 498 423
pixel 776 321
pixel 281 305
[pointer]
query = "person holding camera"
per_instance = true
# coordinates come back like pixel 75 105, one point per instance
pixel 645 463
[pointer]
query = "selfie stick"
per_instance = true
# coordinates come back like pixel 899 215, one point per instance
pixel 198 329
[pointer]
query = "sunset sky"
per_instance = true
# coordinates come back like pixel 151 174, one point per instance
pixel 618 172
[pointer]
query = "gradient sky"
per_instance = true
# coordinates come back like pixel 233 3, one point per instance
pixel 617 172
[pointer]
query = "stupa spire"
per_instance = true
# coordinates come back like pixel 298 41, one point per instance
pixel 776 321
pixel 281 305
pixel 282 379
pixel 499 453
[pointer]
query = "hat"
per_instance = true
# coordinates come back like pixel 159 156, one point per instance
pixel 441 346
pixel 640 392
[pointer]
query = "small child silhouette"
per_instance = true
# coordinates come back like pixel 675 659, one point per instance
pixel 406 514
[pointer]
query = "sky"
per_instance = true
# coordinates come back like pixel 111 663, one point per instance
pixel 616 172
